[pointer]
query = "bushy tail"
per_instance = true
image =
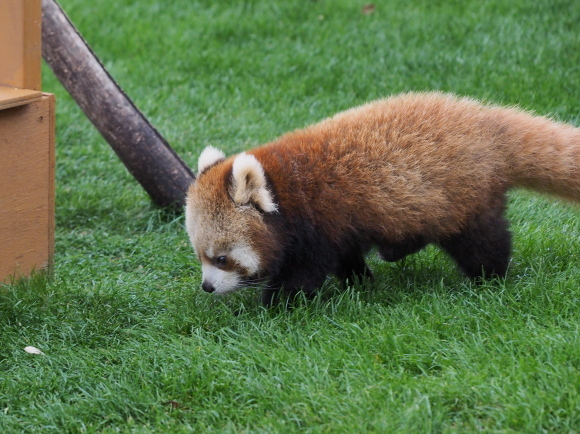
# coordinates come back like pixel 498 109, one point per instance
pixel 542 154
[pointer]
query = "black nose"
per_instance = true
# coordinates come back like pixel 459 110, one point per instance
pixel 207 287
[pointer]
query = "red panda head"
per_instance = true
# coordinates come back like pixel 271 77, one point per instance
pixel 224 218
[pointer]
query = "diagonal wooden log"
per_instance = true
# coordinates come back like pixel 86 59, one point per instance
pixel 145 153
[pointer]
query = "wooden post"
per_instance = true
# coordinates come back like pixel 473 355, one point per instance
pixel 145 153
pixel 26 144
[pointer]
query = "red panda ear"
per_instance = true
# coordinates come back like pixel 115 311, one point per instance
pixel 208 158
pixel 249 184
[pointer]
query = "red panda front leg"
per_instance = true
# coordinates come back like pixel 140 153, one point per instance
pixel 271 295
pixel 302 280
pixel 352 268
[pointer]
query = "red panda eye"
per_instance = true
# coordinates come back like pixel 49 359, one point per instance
pixel 221 260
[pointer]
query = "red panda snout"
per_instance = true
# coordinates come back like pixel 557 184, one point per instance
pixel 207 286
pixel 229 269
pixel 219 281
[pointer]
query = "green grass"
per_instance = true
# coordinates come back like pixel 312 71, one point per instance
pixel 130 342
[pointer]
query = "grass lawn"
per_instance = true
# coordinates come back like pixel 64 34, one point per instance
pixel 132 345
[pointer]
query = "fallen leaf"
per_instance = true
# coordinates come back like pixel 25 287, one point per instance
pixel 368 9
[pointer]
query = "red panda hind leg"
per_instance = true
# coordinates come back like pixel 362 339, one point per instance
pixel 483 248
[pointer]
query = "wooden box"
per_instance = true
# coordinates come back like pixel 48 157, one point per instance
pixel 26 186
pixel 27 124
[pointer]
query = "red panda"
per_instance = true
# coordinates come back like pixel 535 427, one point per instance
pixel 396 174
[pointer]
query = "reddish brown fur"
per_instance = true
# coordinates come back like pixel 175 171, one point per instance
pixel 400 173
pixel 418 164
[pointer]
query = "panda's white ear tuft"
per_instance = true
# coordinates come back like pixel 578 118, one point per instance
pixel 249 184
pixel 209 157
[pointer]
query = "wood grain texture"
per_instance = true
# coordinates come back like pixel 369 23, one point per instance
pixel 26 187
pixel 20 46
pixel 13 97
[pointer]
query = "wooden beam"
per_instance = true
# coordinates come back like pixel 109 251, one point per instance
pixel 20 47
pixel 145 153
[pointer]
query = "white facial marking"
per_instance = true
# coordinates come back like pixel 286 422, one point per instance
pixel 190 224
pixel 246 257
pixel 222 281
pixel 209 252
pixel 208 157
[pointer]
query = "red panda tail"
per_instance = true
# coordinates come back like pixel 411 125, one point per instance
pixel 542 154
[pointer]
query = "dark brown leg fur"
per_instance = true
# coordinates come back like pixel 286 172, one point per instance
pixel 483 248
pixel 353 268
pixel 393 252
pixel 301 279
